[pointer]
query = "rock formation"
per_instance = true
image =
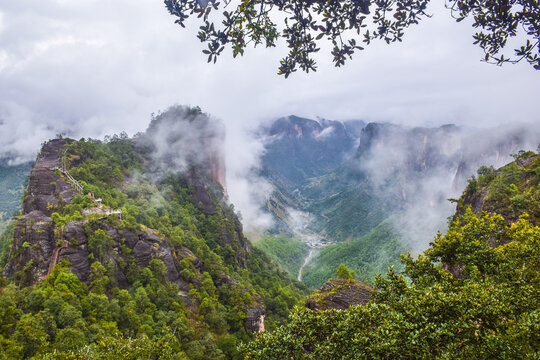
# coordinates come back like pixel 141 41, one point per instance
pixel 339 294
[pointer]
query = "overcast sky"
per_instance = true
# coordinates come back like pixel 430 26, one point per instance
pixel 95 67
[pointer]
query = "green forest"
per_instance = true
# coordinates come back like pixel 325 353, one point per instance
pixel 62 317
pixel 473 294
pixel 287 252
pixel 368 255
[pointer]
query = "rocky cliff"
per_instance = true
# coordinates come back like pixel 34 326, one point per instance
pixel 76 213
pixel 37 239
pixel 339 294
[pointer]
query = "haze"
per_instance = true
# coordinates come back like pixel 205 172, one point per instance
pixel 95 67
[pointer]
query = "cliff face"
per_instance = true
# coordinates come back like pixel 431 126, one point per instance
pixel 59 223
pixel 38 241
pixel 301 148
pixel 412 149
pixel 47 191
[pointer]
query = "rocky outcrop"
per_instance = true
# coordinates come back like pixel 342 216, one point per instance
pixel 339 294
pixel 36 241
pixel 38 245
pixel 255 318
pixel 477 197
pixel 47 191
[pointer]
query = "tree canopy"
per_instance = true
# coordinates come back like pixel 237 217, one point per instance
pixel 485 307
pixel 350 25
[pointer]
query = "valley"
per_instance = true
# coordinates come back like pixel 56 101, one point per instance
pixel 363 187
pixel 132 242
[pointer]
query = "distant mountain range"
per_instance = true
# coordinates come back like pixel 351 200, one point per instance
pixel 340 181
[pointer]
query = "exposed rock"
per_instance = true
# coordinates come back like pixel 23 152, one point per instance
pixel 39 244
pixel 46 190
pixel 339 294
pixel 255 318
pixel 34 241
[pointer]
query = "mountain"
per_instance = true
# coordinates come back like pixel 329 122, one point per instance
pixel 128 249
pixel 473 294
pixel 394 179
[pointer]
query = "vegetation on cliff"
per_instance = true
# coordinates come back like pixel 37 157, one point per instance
pixel 188 301
pixel 472 295
pixel 508 191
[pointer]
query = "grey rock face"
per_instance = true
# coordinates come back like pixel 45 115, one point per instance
pixel 339 294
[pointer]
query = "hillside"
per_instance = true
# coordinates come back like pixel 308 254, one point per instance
pixel 395 177
pixel 509 191
pixel 127 249
pixel 367 255
pixel 473 294
pixel 288 253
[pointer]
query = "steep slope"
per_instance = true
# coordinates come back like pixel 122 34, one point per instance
pixel 399 175
pixel 367 255
pixel 287 252
pixel 510 191
pixel 487 310
pixel 145 236
pixel 296 151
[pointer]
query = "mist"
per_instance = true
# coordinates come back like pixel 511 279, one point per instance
pixel 415 169
pixel 426 167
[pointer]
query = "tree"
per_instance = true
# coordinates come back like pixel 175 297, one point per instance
pixel 352 24
pixel 342 272
pixel 485 308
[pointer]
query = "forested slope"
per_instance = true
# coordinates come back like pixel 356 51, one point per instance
pixel 472 295
pixel 150 260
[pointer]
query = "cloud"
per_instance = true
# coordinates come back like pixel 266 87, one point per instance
pixel 425 167
pixel 95 67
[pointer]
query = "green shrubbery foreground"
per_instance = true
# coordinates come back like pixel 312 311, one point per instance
pixel 460 299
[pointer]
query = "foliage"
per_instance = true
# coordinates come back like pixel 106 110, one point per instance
pixel 125 311
pixel 305 24
pixel 350 25
pixel 487 310
pixel 510 190
pixel 289 253
pixel 499 22
pixel 367 256
pixel 342 272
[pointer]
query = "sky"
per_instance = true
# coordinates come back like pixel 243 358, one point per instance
pixel 88 68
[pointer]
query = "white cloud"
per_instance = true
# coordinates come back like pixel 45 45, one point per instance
pixel 93 67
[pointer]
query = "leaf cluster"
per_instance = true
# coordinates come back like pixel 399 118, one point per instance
pixel 499 22
pixel 347 25
pixel 488 309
